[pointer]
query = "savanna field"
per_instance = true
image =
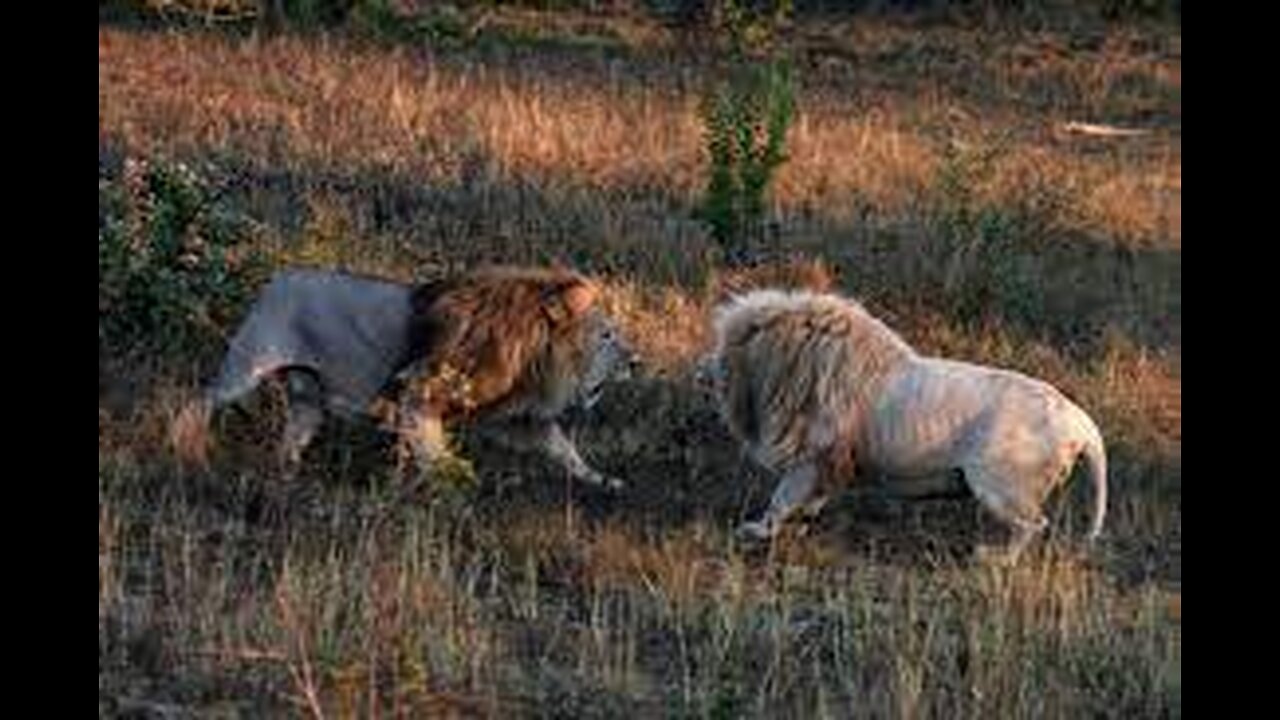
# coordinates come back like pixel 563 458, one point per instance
pixel 1000 186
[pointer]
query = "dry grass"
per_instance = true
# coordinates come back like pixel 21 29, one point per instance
pixel 442 121
pixel 539 598
pixel 526 611
pixel 222 592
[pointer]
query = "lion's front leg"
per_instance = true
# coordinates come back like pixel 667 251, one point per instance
pixel 424 438
pixel 547 437
pixel 561 449
pixel 798 490
pixel 422 433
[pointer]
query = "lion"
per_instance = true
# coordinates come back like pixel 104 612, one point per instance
pixel 512 348
pixel 813 384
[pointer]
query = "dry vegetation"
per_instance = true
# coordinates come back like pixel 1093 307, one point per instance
pixel 929 170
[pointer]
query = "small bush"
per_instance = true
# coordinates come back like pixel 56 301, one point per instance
pixel 745 122
pixel 745 126
pixel 174 266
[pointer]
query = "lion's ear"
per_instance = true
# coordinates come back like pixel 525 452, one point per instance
pixel 572 301
pixel 580 296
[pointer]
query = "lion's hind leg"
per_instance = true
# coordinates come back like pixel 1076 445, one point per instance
pixel 305 416
pixel 239 374
pixel 1014 501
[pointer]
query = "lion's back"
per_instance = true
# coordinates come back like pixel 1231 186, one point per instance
pixel 350 329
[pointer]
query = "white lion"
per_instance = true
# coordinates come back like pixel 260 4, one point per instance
pixel 813 384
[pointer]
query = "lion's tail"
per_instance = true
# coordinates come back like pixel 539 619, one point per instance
pixel 1096 456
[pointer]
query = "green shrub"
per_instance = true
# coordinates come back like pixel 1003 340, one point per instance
pixel 745 122
pixel 174 265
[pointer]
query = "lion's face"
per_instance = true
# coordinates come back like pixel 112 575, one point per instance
pixel 608 358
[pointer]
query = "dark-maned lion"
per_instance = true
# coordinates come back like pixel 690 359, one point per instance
pixel 812 384
pixel 514 347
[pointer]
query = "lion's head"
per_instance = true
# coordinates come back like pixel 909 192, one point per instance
pixel 606 357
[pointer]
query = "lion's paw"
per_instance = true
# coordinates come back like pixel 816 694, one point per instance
pixel 754 531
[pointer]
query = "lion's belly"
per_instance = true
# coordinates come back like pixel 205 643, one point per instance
pixel 925 419
pixel 914 449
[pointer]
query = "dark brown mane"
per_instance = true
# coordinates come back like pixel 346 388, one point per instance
pixel 480 334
